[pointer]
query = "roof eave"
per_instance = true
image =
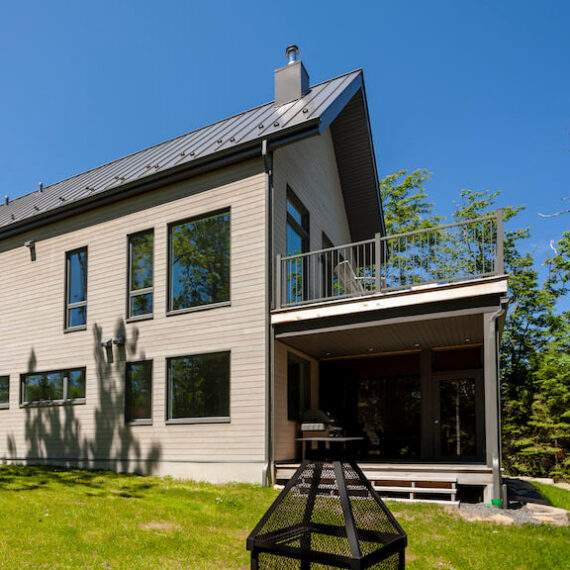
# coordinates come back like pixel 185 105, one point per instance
pixel 175 174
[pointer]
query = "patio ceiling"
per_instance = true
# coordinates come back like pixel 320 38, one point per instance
pixel 390 336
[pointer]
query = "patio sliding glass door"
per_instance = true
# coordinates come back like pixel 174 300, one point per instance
pixel 459 417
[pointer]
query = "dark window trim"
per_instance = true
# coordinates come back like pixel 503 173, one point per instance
pixel 294 415
pixel 206 419
pixel 60 402
pixel 172 312
pixel 303 229
pixel 67 305
pixel 6 405
pixel 138 421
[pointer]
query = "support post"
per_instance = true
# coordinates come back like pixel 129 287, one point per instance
pixel 427 405
pixel 500 253
pixel 377 253
pixel 492 410
pixel 278 284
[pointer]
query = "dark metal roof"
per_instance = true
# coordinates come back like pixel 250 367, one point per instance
pixel 238 136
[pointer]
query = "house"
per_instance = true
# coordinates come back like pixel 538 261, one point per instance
pixel 177 311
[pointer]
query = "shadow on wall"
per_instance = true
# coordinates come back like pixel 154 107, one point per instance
pixel 54 434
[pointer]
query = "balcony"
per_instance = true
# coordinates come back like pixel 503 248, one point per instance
pixel 439 255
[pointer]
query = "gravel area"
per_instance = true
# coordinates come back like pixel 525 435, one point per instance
pixel 482 512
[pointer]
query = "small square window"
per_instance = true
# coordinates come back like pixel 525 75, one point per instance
pixel 199 387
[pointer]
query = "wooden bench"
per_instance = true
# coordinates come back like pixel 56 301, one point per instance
pixel 416 488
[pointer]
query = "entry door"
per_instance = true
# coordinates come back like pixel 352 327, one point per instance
pixel 459 425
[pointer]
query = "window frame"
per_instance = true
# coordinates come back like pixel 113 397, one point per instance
pixel 303 229
pixel 5 405
pixel 203 419
pixel 172 312
pixel 295 415
pixel 138 421
pixel 135 293
pixel 59 402
pixel 78 304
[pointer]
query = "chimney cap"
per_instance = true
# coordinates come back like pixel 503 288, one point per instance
pixel 292 53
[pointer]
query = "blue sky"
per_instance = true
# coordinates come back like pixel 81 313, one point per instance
pixel 476 91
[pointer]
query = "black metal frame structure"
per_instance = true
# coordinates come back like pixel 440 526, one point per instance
pixel 328 516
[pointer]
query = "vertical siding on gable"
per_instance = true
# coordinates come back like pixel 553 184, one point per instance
pixel 32 336
pixel 309 168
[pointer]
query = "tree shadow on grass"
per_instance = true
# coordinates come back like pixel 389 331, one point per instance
pixel 71 435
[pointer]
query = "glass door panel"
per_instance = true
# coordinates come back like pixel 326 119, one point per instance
pixel 460 418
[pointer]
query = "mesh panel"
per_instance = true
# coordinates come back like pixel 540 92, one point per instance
pixel 390 563
pixel 274 562
pixel 367 511
pixel 309 518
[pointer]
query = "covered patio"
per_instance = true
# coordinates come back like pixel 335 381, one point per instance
pixel 414 374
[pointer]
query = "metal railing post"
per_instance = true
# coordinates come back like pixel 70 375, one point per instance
pixel 500 254
pixel 278 283
pixel 377 263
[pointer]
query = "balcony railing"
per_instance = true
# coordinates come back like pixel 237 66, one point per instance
pixel 443 254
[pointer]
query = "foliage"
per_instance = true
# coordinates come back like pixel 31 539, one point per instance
pixel 68 518
pixel 404 199
pixel 544 445
pixel 535 343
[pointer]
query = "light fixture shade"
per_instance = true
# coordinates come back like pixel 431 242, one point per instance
pixel 327 516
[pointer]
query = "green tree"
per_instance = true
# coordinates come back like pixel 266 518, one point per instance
pixel 544 446
pixel 404 199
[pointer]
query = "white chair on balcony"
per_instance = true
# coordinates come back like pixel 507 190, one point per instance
pixel 348 279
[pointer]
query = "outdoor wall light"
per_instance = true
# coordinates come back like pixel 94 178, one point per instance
pixel 31 245
pixel 120 340
pixel 107 343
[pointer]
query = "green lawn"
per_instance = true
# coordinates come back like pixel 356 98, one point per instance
pixel 55 518
pixel 557 497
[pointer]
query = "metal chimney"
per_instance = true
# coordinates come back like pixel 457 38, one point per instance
pixel 291 80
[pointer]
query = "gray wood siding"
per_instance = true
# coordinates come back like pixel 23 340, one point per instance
pixel 286 432
pixel 32 335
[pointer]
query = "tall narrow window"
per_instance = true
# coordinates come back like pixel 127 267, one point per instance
pixel 199 387
pixel 141 269
pixel 298 386
pixel 199 262
pixel 297 243
pixel 138 392
pixel 4 391
pixel 76 289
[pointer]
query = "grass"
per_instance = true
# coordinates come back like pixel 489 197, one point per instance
pixel 558 497
pixel 56 518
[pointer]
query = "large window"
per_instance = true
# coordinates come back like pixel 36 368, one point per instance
pixel 141 265
pixel 4 391
pixel 199 262
pixel 199 387
pixel 298 386
pixel 55 386
pixel 76 289
pixel 138 393
pixel 297 242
